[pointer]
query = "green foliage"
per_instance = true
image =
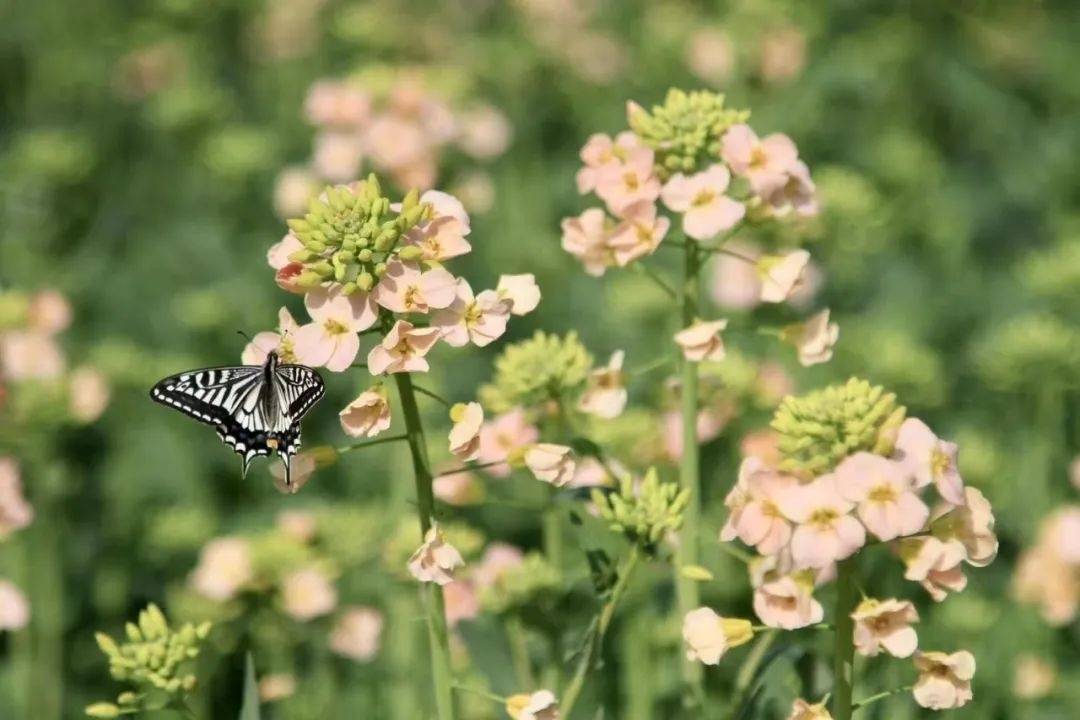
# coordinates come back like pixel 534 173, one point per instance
pixel 543 368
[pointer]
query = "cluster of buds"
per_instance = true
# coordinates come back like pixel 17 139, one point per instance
pixel 155 660
pixel 646 511
pixel 532 372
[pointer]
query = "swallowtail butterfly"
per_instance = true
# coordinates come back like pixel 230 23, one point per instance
pixel 255 408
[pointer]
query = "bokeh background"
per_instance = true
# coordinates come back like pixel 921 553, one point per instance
pixel 149 151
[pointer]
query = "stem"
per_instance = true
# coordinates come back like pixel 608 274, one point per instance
pixel 881 696
pixel 655 277
pixel 687 589
pixel 470 467
pixel 844 659
pixel 433 395
pixel 751 664
pixel 371 443
pixel 595 642
pixel 432 594
pixel 654 365
pixel 482 693
pixel 519 652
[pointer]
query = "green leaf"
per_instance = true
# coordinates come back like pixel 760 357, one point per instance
pixel 250 708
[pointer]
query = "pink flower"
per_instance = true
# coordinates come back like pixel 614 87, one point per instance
pixel 297 524
pixel 600 152
pixel 224 568
pixel 465 434
pixel 459 488
pixel 711 55
pixel 788 602
pixel 708 636
pixel 798 194
pixel 479 319
pixel 403 349
pixel 887 503
pixel 30 355
pixel 286 272
pixel 707 211
pixel 586 238
pixel 781 274
pixel 825 532
pixel 944 680
pixel 783 54
pixel 765 163
pixel 293 189
pixel 605 391
pixel 639 233
pixel 281 342
pixel 336 103
pixel 442 236
pixel 337 155
pixel 972 525
pixel 89 394
pixel 522 292
pixel 805 710
pixel 736 283
pixel 885 624
pixel 814 339
pixel 404 288
pixel 930 459
pixel 934 564
pixel 497 560
pixel 356 633
pixel 756 518
pixel 485 132
pixel 627 181
pixel 367 415
pixel 14 608
pixel 710 422
pixel 551 463
pixel 331 341
pixel 435 560
pixel 508 434
pixel 395 143
pixel 15 512
pixel 307 594
pixel 49 312
pixel 701 341
pixel 461 602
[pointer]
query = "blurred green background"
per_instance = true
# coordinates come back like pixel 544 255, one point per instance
pixel 142 152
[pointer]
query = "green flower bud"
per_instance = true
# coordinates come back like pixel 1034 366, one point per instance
pixel 384 243
pixel 410 252
pixel 127 698
pixel 646 513
pixel 308 279
pixel 365 281
pixel 102 710
pixel 531 372
pixel 380 269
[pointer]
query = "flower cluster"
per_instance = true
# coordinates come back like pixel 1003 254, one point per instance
pixel 1048 573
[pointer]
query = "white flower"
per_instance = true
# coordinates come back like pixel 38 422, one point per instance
pixel 551 463
pixel 780 274
pixel 465 434
pixel 435 560
pixel 605 393
pixel 521 290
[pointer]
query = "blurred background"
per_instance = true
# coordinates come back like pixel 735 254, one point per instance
pixel 150 151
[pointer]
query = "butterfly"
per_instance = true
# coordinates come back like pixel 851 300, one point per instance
pixel 255 408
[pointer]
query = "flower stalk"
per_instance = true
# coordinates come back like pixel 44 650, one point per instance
pixel 844 657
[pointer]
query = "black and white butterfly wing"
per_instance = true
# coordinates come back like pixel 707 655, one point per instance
pixel 297 388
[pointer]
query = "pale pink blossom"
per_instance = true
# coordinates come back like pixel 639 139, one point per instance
pixel 711 55
pixel 395 143
pixel 805 710
pixel 476 190
pixel 89 394
pixel 930 459
pixel 299 525
pixel 605 391
pixel 590 472
pixel 331 341
pixel 498 559
pixel 788 602
pixel 826 533
pixel 336 103
pixel 628 180
pixel 762 444
pixel 522 292
pixel 551 463
pixel 461 602
pixel 465 434
pixel 367 415
pixel 14 608
pixel 601 151
pixel 224 568
pixel 708 636
pixel 1033 677
pixel 885 625
pixel 49 312
pixel 15 512
pixel 707 211
pixel 887 503
pixel 479 319
pixel 765 162
pixel 586 238
pixel 405 288
pixel 781 274
pixel 457 488
pixel 1043 578
pixel 798 193
pixel 944 680
pixel 435 560
pixel 276 686
pixel 30 355
pixel 814 339
pixel 442 236
pixel 484 132
pixel 934 564
pixel 356 634
pixel 736 282
pixel 286 271
pixel 540 705
pixel 756 518
pixel 972 525
pixel 293 189
pixel 701 341
pixel 403 349
pixel 639 233
pixel 307 594
pixel 783 54
pixel 505 436
pixel 281 342
pixel 337 155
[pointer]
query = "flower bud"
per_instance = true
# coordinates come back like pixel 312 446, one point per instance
pixel 410 252
pixel 365 281
pixel 102 710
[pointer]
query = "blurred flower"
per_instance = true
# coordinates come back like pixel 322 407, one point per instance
pixel 403 349
pixel 707 211
pixel 586 238
pixel 457 488
pixel 711 55
pixel 883 492
pixel 930 459
pixel 736 283
pixel 783 54
pixel 224 568
pixel 337 156
pixel 294 187
pixel 814 339
pixel 535 371
pixel 484 132
pixel 540 705
pixel 297 524
pixel 550 463
pixel 788 602
pixel 1033 677
pixel 497 559
pixel 405 288
pixel 944 680
pixel 281 342
pixel 825 533
pixel 307 594
pixel 590 472
pixel 15 512
pixel 480 319
pixel 476 190
pixel 356 633
pixel 507 435
pixel 461 602
pixel 780 274
pixel 764 163
pixel 708 636
pixel 29 355
pixel 336 103
pixel 367 415
pixel 761 444
pixel 885 624
pixel 701 341
pixel 605 389
pixel 332 340
pixel 522 292
pixel 972 525
pixel 14 608
pixel 934 564
pixel 465 434
pixel 49 312
pixel 89 394
pixel 435 560
pixel 710 423
pixel 277 686
pixel 804 710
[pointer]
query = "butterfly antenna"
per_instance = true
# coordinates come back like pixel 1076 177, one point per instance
pixel 244 335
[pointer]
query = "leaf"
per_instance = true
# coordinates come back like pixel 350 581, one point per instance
pixel 696 572
pixel 249 710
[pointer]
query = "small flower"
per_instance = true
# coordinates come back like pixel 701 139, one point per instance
pixel 931 460
pixel 605 391
pixel 586 238
pixel 599 152
pixel 825 532
pixel 814 339
pixel 541 705
pixel 442 236
pixel 356 634
pixel 30 355
pixel 887 503
pixel 367 415
pixel 461 602
pixel 781 274
pixel 804 710
pixel 465 435
pixel 89 394
pixel 457 488
pixel 435 560
pixel 281 342
pixel 630 180
pixel 707 211
pixel 885 624
pixel 337 155
pixel 15 512
pixel 972 525
pixel 798 194
pixel 287 272
pixel 403 349
pixel 498 559
pixel 331 102
pixel 503 437
pixel 934 564
pixel 551 463
pixel 297 524
pixel 404 288
pixel 639 233
pixel 736 283
pixel 307 594
pixel 331 341
pixel 14 608
pixel 293 189
pixel 522 292
pixel 708 636
pixel 479 319
pixel 788 602
pixel 224 568
pixel 944 680
pixel 701 341
pixel 276 686
pixel 756 518
pixel 765 163
pixel 485 132
pixel 1033 677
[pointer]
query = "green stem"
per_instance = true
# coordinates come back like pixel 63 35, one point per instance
pixel 432 594
pixel 482 693
pixel 470 467
pixel 750 666
pixel 433 395
pixel 659 281
pixel 687 589
pixel 844 657
pixel 370 443
pixel 595 642
pixel 881 696
pixel 519 652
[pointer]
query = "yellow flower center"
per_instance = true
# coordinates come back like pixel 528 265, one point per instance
pixel 883 493
pixel 703 198
pixel 286 350
pixel 473 314
pixel 403 347
pixel 631 181
pixel 411 297
pixel 758 158
pixel 824 517
pixel 333 327
pixel 940 463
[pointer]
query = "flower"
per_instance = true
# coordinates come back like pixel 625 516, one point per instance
pixel 882 488
pixel 497 560
pixel 435 560
pixel 931 459
pixel 14 608
pixel 465 434
pixel 788 602
pixel 755 517
pixel 224 567
pixel 404 288
pixel 783 54
pixel 765 163
pixel 780 274
pixel 276 686
pixel 551 463
pixel 331 102
pixel 522 292
pixel 337 155
pixel 707 210
pixel 367 415
pixel 605 391
pixel 49 312
pixel 600 152
pixel 89 394
pixel 15 512
pixel 708 636
pixel 442 236
pixel 825 532
pixel 461 602
pixel 504 436
pixel 297 524
pixel 736 283
pixel 1033 677
pixel 586 238
pixel 331 341
pixel 701 341
pixel 885 624
pixel 972 525
pixel 287 272
pixel 541 705
pixel 356 633
pixel 628 180
pixel 485 132
pixel 814 339
pixel 934 564
pixel 281 342
pixel 798 194
pixel 639 233
pixel 30 355
pixel 711 55
pixel 307 594
pixel 457 487
pixel 804 710
pixel 479 319
pixel 293 188
pixel 944 680
pixel 403 349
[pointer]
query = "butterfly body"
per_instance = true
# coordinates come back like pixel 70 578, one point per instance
pixel 256 409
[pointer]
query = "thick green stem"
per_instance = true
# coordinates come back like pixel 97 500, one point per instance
pixel 431 593
pixel 687 589
pixel 844 657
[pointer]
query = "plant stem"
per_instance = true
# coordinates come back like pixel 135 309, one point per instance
pixel 519 652
pixel 371 443
pixel 881 696
pixel 432 594
pixel 595 642
pixel 482 693
pixel 659 281
pixel 433 395
pixel 751 664
pixel 687 589
pixel 844 658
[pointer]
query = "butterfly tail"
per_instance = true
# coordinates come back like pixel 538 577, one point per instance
pixel 290 488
